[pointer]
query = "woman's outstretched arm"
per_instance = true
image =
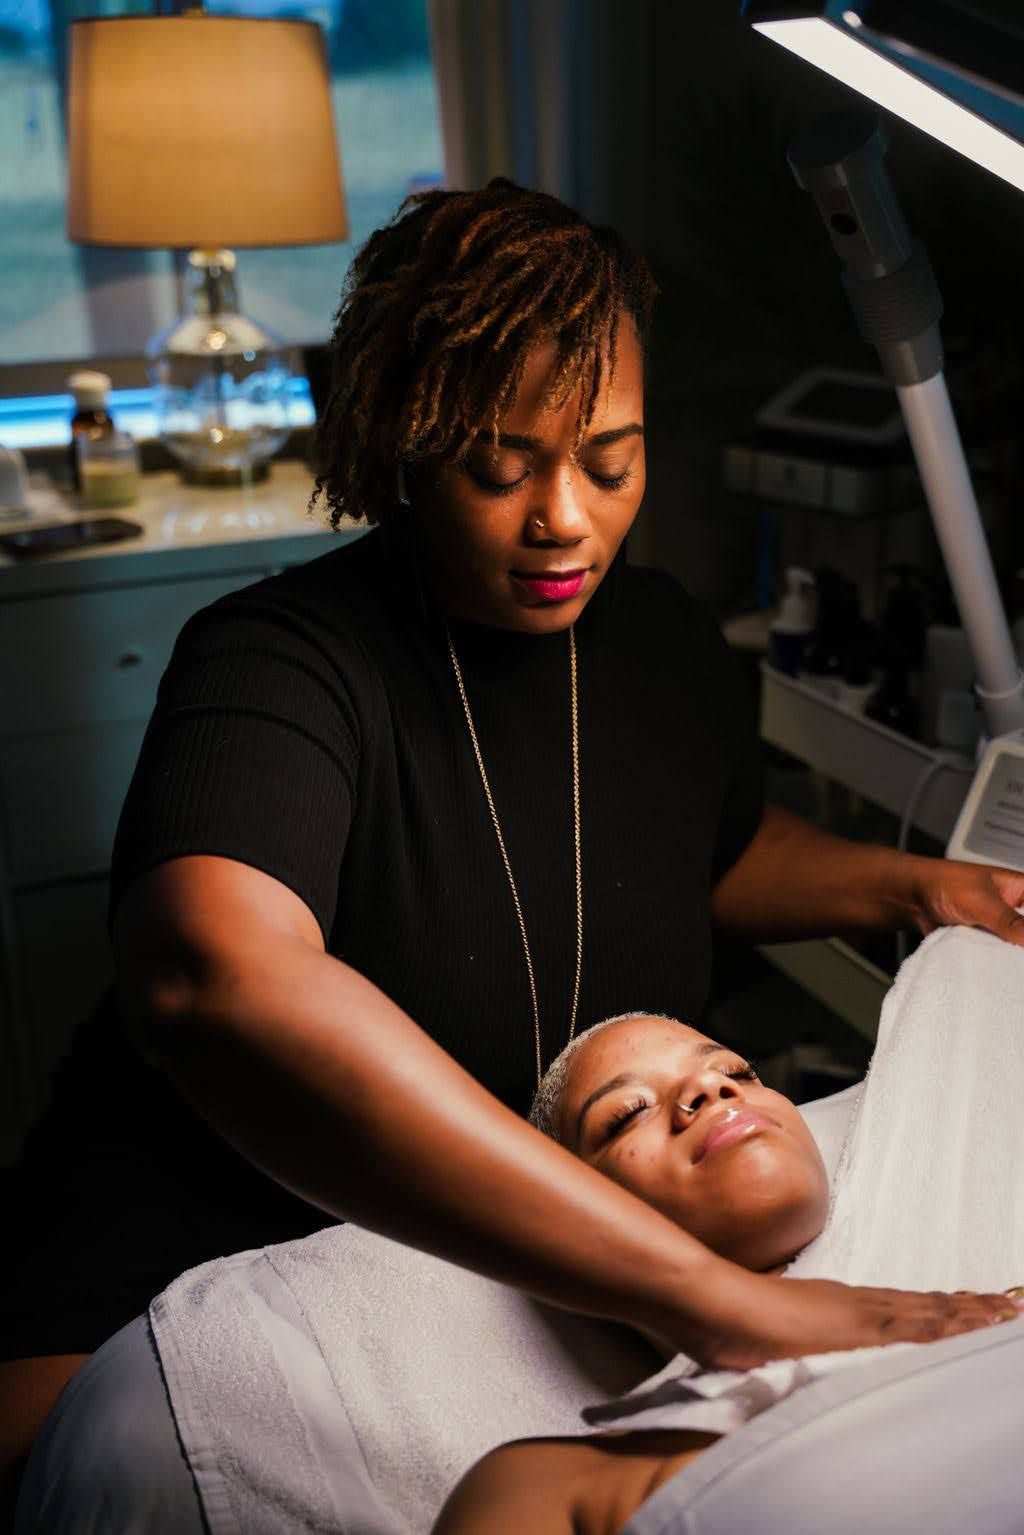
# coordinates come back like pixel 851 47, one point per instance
pixel 796 881
pixel 319 1079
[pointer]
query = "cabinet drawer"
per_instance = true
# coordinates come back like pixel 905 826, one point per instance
pixel 88 657
pixel 62 795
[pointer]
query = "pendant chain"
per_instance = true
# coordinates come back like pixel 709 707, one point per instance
pixel 577 841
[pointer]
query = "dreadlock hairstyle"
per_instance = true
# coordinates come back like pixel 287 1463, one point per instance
pixel 439 313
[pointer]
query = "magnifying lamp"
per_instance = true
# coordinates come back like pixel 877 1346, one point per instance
pixel 953 69
pixel 957 75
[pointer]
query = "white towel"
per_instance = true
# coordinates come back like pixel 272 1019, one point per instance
pixel 928 1192
pixel 345 1383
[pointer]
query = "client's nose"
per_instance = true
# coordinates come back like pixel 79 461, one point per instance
pixel 702 1091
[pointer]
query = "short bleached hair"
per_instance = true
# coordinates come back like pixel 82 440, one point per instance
pixel 547 1101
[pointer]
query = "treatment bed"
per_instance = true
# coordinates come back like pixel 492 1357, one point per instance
pixel 344 1383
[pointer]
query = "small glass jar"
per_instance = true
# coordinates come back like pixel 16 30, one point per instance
pixel 108 470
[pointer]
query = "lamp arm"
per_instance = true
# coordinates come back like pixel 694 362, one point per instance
pixel 943 469
pixel 840 160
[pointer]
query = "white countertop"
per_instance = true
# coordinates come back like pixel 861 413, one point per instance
pixel 215 525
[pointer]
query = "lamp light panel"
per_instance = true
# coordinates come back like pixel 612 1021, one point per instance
pixel 844 52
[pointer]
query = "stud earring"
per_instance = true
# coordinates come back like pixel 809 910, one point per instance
pixel 403 494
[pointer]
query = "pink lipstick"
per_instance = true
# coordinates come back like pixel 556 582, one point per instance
pixel 555 587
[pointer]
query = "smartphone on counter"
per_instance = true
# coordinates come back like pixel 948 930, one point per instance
pixel 58 537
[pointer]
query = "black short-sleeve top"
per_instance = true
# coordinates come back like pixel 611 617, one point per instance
pixel 310 726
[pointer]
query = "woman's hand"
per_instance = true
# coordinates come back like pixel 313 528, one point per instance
pixel 787 1318
pixel 944 893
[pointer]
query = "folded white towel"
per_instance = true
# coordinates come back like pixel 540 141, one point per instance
pixel 345 1382
pixel 928 1192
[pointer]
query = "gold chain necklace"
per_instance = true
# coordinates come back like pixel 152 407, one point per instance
pixel 574 705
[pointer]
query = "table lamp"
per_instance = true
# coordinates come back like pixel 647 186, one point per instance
pixel 958 74
pixel 204 133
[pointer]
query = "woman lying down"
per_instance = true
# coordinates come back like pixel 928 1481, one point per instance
pixel 926 1195
pixel 347 1382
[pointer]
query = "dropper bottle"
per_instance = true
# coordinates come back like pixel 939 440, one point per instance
pixel 91 418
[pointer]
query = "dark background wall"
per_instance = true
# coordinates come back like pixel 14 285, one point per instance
pixel 750 295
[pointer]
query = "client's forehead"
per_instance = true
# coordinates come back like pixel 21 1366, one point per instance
pixel 638 1037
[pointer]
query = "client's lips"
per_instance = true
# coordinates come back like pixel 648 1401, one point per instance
pixel 731 1125
pixel 552 586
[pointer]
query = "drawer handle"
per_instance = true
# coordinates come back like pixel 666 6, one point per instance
pixel 130 658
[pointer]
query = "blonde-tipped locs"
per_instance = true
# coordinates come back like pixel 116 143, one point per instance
pixel 440 311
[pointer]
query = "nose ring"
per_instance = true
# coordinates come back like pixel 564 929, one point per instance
pixel 688 1108
pixel 538 522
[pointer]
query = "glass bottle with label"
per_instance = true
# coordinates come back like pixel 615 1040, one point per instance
pixel 91 418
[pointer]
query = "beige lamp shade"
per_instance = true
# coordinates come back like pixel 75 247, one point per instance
pixel 201 130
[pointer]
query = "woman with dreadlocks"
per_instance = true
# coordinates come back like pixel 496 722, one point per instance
pixel 408 816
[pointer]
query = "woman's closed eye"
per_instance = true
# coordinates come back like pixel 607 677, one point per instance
pixel 499 479
pixel 622 1117
pixel 743 1073
pixel 610 468
pixel 610 481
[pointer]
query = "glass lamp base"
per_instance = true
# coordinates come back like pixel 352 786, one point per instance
pixel 221 381
pixel 225 475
